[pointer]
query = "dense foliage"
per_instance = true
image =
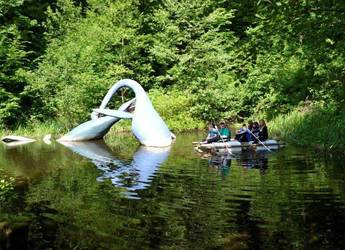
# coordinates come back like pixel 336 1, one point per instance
pixel 21 42
pixel 217 59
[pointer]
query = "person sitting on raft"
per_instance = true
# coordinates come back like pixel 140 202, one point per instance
pixel 249 130
pixel 242 135
pixel 224 131
pixel 250 125
pixel 263 131
pixel 255 132
pixel 215 135
pixel 212 135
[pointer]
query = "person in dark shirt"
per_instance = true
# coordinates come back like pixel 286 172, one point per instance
pixel 242 134
pixel 255 132
pixel 263 131
pixel 250 125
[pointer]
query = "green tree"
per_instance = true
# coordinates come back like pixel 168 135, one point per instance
pixel 21 41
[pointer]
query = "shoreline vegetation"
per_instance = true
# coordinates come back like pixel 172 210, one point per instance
pixel 313 125
pixel 198 60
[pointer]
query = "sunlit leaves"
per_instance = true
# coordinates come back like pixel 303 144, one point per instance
pixel 234 59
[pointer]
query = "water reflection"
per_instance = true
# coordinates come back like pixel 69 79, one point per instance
pixel 247 159
pixel 28 161
pixel 213 202
pixel 134 175
pixel 222 163
pixel 254 159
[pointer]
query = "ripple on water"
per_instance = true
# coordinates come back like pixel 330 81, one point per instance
pixel 292 198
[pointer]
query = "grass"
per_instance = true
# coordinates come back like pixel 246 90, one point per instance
pixel 36 130
pixel 318 127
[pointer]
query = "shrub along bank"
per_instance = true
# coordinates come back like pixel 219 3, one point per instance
pixel 315 125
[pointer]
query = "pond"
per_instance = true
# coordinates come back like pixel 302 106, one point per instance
pixel 118 195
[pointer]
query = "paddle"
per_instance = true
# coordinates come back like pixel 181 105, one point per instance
pixel 259 141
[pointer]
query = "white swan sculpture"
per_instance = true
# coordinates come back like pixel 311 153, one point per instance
pixel 147 126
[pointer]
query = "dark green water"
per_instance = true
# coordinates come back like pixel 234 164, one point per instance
pixel 121 196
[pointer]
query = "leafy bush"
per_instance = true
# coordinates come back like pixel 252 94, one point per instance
pixel 175 108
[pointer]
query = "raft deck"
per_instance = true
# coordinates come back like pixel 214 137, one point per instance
pixel 236 146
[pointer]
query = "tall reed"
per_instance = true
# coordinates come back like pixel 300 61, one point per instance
pixel 320 127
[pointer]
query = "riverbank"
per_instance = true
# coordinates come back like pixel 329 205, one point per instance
pixel 57 129
pixel 320 127
pixel 36 130
pixel 313 126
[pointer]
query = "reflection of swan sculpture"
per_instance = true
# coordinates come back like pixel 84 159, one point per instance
pixel 133 175
pixel 147 126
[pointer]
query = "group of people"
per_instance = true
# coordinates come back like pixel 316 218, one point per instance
pixel 215 134
pixel 254 132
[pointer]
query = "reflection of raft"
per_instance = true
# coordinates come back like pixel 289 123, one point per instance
pixel 236 146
